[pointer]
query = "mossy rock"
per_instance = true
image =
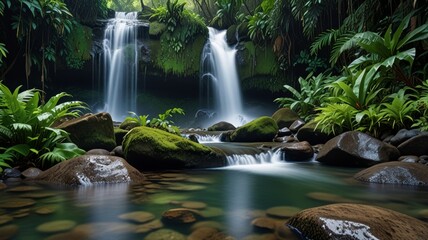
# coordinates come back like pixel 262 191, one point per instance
pixel 156 29
pixel 284 117
pixel 231 35
pixel 149 148
pixel 128 124
pixel 91 131
pixel 262 129
pixel 119 134
pixel 221 126
pixel 243 34
pixel 257 61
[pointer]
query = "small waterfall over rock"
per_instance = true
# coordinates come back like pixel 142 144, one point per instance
pixel 219 75
pixel 270 156
pixel 121 50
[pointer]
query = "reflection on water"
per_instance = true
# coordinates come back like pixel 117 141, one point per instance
pixel 227 199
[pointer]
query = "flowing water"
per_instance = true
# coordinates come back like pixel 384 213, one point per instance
pixel 233 198
pixel 121 50
pixel 219 78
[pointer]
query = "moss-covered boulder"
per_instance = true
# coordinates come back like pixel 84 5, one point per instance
pixel 221 126
pixel 91 131
pixel 128 124
pixel 149 148
pixel 284 117
pixel 262 129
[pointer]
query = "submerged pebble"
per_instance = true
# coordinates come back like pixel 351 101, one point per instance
pixel 5 219
pixel 138 216
pixel 8 231
pixel 56 226
pixel 282 211
pixel 165 234
pixel 17 203
pixel 194 205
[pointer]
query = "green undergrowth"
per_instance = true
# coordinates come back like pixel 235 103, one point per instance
pixel 79 43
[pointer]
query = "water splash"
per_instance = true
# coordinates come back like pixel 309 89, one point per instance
pixel 121 50
pixel 270 156
pixel 219 75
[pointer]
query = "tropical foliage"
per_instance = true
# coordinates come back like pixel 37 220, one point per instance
pixel 162 122
pixel 26 132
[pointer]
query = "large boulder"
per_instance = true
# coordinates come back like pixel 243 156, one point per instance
pixel 146 147
pixel 403 135
pixel 310 133
pixel 91 169
pixel 91 131
pixel 284 117
pixel 356 221
pixel 262 129
pixel 356 149
pixel 297 151
pixel 415 146
pixel 222 126
pixel 395 173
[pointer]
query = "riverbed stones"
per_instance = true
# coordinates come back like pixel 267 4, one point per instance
pixel 284 117
pixel 138 216
pixel 202 233
pixel 297 151
pixel 8 231
pixel 263 129
pixel 395 173
pixel 5 219
pixel 403 135
pixel 356 149
pixel 221 126
pixel 282 211
pixel 415 146
pixel 356 221
pixel 91 131
pixel 17 203
pixel 92 169
pixel 180 216
pixel 264 224
pixel 165 234
pixel 31 172
pixel 2 186
pixel 56 226
pixel 146 147
pixel 149 226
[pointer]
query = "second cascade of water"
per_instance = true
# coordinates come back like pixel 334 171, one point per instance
pixel 121 65
pixel 219 75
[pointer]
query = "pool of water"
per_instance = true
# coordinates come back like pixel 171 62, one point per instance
pixel 229 199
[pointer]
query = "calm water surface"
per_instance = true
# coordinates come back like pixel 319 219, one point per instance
pixel 234 197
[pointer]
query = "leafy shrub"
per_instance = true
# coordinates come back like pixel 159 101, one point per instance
pixel 26 132
pixel 336 118
pixel 161 122
pixel 313 92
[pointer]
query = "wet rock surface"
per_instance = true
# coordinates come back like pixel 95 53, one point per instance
pixel 415 146
pixel 263 129
pixel 221 126
pixel 352 221
pixel 284 117
pixel 91 169
pixel 298 151
pixel 356 149
pixel 395 173
pixel 91 131
pixel 311 134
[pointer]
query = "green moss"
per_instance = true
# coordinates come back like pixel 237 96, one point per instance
pixel 156 28
pixel 154 148
pixel 262 129
pixel 184 63
pixel 258 61
pixel 79 43
pixel 284 117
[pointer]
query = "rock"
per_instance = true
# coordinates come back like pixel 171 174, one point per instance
pixel 231 36
pixel 117 151
pixel 282 211
pixel 91 131
pixel 97 152
pixel 202 233
pixel 395 173
pixel 284 117
pixel 11 173
pixel 31 172
pixel 193 138
pixel 180 215
pixel 222 126
pixel 409 159
pixel 138 216
pixel 296 125
pixel 403 135
pixel 8 231
pixel 283 132
pixel 147 227
pixel 262 129
pixel 298 151
pixel 92 169
pixel 356 149
pixel 2 186
pixel 56 226
pixel 119 134
pixel 146 147
pixel 194 205
pixel 129 124
pixel 415 145
pixel 12 203
pixel 225 136
pixel 311 134
pixel 264 223
pixel 165 234
pixel 356 221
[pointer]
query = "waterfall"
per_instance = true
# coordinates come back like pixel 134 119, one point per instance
pixel 121 65
pixel 219 75
pixel 261 158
